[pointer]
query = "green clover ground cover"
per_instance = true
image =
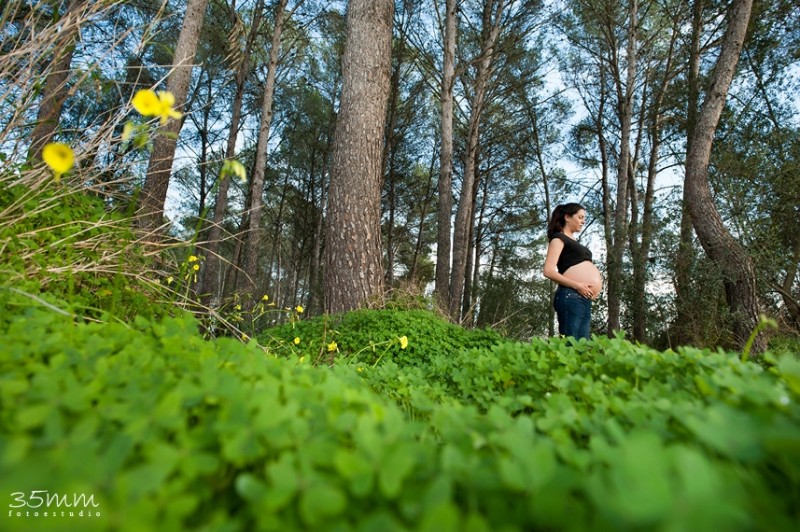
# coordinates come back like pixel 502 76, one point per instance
pixel 366 337
pixel 372 420
pixel 169 431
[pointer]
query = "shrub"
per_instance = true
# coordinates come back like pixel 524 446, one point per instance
pixel 369 335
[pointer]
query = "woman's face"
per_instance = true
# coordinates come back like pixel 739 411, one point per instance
pixel 575 221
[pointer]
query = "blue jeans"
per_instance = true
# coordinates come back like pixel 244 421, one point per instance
pixel 574 313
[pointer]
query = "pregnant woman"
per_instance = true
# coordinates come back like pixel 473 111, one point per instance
pixel 569 264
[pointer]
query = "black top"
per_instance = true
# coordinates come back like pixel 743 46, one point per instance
pixel 572 254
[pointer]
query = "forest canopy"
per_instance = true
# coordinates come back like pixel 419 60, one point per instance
pixel 485 116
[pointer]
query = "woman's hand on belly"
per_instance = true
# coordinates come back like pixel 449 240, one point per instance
pixel 586 290
pixel 587 278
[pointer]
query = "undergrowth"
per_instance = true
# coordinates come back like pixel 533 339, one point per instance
pixel 68 248
pixel 167 430
pixel 365 336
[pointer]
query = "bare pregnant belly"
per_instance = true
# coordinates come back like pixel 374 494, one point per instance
pixel 586 272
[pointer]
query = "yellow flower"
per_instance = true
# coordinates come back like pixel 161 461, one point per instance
pixel 146 102
pixel 167 102
pixel 296 340
pixel 403 342
pixel 237 307
pixel 170 279
pixel 359 370
pixel 245 337
pixel 192 258
pixel 332 347
pixel 196 267
pixel 299 309
pixel 265 297
pixel 302 359
pixel 59 157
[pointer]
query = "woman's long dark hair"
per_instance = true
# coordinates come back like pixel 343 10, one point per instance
pixel 559 218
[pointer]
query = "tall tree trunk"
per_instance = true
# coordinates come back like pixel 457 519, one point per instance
pixel 484 317
pixel 792 305
pixel 548 208
pixel 445 185
pixel 491 29
pixel 276 234
pixel 252 241
pixel 686 256
pixel 54 90
pixel 641 250
pixel 392 198
pixel 466 301
pixel 389 158
pixel 737 266
pixel 309 195
pixel 316 283
pixel 353 256
pixel 154 193
pixel 625 106
pixel 423 213
pixel 474 258
pixel 605 167
pixel 202 167
pixel 212 284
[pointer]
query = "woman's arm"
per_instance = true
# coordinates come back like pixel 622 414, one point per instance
pixel 551 271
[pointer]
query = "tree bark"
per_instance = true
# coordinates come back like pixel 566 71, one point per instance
pixel 426 199
pixel 275 248
pixel 316 280
pixel 55 91
pixel 472 277
pixel 248 281
pixel 353 257
pixel 641 250
pixel 211 284
pixel 548 208
pixel 445 185
pixel 625 110
pixel 205 145
pixel 791 303
pixel 686 256
pixel 154 193
pixel 736 265
pixel 605 169
pixel 491 30
pixel 389 159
